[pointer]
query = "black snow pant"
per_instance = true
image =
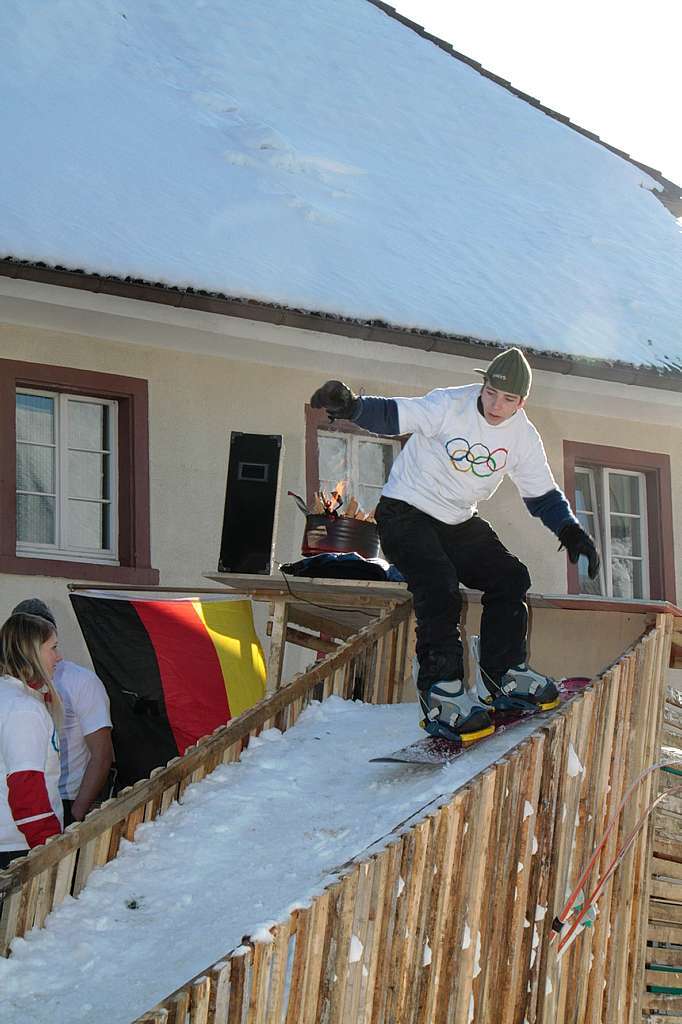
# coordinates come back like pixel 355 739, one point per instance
pixel 435 558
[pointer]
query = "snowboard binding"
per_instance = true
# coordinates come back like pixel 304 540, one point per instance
pixel 520 690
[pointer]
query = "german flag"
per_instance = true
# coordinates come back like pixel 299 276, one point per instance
pixel 174 670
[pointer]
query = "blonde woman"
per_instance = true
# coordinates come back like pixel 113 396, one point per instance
pixel 30 714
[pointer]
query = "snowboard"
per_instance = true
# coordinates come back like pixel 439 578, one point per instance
pixel 436 751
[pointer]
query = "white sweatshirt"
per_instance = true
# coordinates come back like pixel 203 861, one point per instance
pixel 28 743
pixel 455 458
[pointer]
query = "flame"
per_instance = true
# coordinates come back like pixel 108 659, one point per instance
pixel 340 488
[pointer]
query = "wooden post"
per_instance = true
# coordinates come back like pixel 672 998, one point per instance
pixel 219 997
pixel 344 935
pixel 277 644
pixel 278 978
pixel 200 994
pixel 314 957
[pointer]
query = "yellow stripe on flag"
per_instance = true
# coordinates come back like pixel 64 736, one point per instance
pixel 230 626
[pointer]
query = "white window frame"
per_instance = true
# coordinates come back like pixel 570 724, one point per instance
pixel 61 551
pixel 354 441
pixel 644 532
pixel 601 512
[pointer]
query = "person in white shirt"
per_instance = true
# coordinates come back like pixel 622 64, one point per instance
pixel 85 735
pixel 464 441
pixel 30 713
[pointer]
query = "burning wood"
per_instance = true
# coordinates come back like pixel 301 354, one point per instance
pixel 330 504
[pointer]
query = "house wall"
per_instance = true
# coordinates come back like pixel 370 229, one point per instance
pixel 196 399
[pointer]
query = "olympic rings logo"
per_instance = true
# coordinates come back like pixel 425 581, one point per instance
pixel 475 458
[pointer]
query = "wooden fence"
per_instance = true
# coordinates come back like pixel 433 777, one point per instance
pixel 373 666
pixel 451 921
pixel 662 1000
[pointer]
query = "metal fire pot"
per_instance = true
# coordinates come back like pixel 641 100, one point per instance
pixel 339 535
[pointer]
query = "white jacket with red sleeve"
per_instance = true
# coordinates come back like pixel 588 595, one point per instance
pixel 30 805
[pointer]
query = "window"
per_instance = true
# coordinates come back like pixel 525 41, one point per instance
pixel 66 479
pixel 341 451
pixel 611 506
pixel 74 474
pixel 362 462
pixel 623 499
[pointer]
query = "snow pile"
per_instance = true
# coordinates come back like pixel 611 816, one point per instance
pixel 248 843
pixel 320 155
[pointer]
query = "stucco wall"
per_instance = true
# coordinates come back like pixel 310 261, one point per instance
pixel 197 399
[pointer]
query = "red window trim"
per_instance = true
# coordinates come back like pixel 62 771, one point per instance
pixel 656 469
pixel 131 394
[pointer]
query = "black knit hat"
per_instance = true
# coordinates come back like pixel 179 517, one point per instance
pixel 34 606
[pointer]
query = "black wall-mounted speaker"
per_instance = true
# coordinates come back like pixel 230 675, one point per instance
pixel 250 502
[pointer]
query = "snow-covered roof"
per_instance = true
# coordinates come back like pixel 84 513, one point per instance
pixel 323 156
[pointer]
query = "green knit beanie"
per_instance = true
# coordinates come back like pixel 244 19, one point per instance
pixel 509 372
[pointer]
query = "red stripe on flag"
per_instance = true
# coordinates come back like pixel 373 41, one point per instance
pixel 193 685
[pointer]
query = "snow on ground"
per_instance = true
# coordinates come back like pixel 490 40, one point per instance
pixel 247 844
pixel 321 155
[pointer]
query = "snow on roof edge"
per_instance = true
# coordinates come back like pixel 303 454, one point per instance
pixel 667 378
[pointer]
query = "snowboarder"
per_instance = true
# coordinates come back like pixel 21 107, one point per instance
pixel 464 441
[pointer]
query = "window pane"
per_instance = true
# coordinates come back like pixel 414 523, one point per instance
pixel 585 584
pixel 626 536
pixel 88 426
pixel 333 460
pixel 88 524
pixel 624 493
pixel 35 468
pixel 87 475
pixel 35 418
pixel 376 460
pixel 368 497
pixel 627 578
pixel 583 497
pixel 586 520
pixel 35 519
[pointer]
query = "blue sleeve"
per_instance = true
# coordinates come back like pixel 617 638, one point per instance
pixel 552 509
pixel 379 415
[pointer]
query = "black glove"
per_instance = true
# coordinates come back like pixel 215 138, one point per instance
pixel 577 542
pixel 338 399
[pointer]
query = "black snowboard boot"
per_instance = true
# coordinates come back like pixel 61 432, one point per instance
pixel 521 689
pixel 452 713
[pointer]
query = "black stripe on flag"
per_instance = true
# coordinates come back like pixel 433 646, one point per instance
pixel 124 659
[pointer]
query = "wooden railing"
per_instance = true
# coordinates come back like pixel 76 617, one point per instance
pixel 451 921
pixel 372 666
